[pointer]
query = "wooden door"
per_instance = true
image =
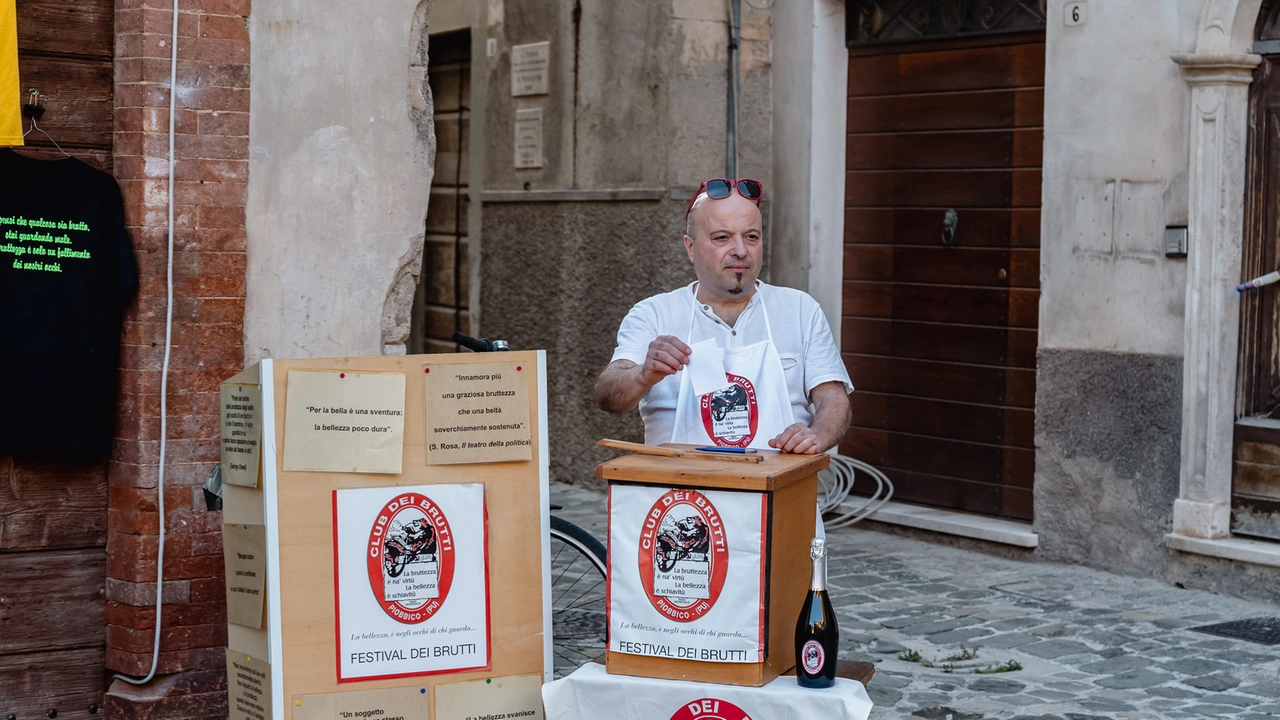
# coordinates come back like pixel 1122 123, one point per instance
pixel 53 511
pixel 1255 492
pixel 939 328
pixel 440 304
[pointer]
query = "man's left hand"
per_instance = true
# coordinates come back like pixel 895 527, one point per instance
pixel 797 438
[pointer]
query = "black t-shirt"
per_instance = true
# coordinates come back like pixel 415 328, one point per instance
pixel 67 271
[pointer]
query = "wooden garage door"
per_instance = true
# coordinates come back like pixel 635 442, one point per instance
pixel 939 332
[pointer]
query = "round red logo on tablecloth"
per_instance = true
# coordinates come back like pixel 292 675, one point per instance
pixel 731 416
pixel 710 709
pixel 410 558
pixel 684 556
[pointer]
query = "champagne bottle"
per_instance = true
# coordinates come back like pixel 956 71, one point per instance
pixel 817 637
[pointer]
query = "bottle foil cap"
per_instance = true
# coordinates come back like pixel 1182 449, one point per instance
pixel 817 548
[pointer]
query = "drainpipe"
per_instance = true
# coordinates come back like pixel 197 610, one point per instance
pixel 731 119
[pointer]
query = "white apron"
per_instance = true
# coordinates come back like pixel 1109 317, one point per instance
pixel 755 409
pixel 748 414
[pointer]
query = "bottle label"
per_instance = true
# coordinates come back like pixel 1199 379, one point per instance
pixel 813 657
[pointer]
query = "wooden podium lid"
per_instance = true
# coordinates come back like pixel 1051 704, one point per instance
pixel 776 471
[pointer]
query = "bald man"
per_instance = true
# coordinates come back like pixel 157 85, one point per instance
pixel 787 387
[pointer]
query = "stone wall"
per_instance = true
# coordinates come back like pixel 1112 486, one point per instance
pixel 1108 437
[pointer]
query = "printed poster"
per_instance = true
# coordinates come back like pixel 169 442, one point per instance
pixel 686 573
pixel 412 581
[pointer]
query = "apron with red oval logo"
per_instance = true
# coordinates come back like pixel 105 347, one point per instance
pixel 749 413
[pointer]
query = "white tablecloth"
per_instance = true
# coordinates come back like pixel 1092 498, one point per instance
pixel 590 693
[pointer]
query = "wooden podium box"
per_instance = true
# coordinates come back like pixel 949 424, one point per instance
pixel 789 486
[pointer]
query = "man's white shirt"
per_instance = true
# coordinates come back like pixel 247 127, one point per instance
pixel 800 332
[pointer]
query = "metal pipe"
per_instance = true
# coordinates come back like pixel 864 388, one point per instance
pixel 731 119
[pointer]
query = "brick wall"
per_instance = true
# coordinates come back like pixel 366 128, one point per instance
pixel 211 150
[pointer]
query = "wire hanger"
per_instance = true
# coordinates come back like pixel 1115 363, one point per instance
pixel 34 108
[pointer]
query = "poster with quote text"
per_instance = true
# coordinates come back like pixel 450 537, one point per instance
pixel 343 421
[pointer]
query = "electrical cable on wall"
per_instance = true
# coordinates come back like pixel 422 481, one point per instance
pixel 164 371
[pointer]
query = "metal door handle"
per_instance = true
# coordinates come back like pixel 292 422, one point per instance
pixel 949 223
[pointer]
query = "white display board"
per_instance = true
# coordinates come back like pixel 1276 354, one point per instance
pixel 686 573
pixel 412 581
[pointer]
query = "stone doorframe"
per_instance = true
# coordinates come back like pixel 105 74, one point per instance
pixel 1219 73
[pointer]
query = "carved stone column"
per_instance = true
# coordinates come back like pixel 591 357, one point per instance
pixel 1218 133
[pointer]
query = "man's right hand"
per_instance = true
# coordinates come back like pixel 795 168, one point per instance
pixel 667 356
pixel 624 383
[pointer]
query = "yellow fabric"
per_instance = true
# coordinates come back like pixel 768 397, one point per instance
pixel 10 89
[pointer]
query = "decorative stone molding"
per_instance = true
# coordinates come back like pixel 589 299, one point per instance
pixel 1227 26
pixel 1218 134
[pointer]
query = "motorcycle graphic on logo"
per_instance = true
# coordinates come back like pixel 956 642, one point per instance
pixel 731 416
pixel 406 544
pixel 410 558
pixel 681 539
pixel 684 556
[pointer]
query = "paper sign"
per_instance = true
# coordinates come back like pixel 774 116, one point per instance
pixel 406 703
pixel 478 413
pixel 686 573
pixel 241 405
pixel 344 421
pixel 529 68
pixel 706 368
pixel 248 687
pixel 244 552
pixel 528 142
pixel 412 581
pixel 519 696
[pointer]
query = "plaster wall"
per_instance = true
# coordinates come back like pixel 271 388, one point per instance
pixel 1115 174
pixel 341 152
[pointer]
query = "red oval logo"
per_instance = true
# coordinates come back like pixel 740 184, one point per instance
pixel 684 556
pixel 812 656
pixel 731 416
pixel 410 558
pixel 710 709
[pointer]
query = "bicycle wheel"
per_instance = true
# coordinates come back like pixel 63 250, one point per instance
pixel 579 626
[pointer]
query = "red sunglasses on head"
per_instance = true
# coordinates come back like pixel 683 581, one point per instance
pixel 721 188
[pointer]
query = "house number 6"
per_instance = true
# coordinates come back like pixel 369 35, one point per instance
pixel 1077 13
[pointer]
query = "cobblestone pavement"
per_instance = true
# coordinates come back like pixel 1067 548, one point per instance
pixel 1086 644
